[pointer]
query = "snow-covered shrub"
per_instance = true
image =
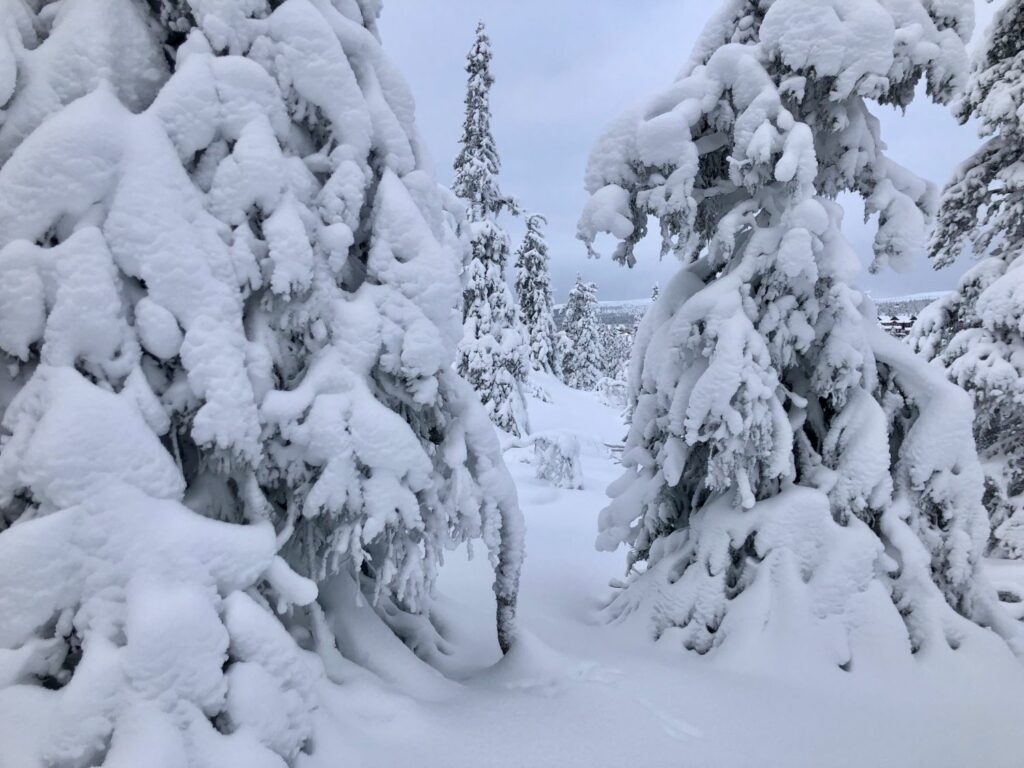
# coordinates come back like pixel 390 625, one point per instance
pixel 533 293
pixel 537 391
pixel 614 392
pixel 493 354
pixel 582 355
pixel 792 472
pixel 977 332
pixel 556 456
pixel 229 309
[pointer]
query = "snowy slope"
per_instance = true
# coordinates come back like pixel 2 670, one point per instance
pixel 576 692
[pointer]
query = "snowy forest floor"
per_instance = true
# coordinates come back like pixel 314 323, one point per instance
pixel 578 692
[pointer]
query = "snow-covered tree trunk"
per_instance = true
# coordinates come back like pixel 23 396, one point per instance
pixel 977 332
pixel 533 293
pixel 493 354
pixel 791 471
pixel 583 356
pixel 228 317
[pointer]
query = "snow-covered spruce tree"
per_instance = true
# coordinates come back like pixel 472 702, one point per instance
pixel 493 356
pixel 582 359
pixel 533 292
pixel 797 482
pixel 228 317
pixel 616 344
pixel 654 293
pixel 977 331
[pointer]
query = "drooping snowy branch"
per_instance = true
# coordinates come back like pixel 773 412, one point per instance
pixel 781 449
pixel 977 332
pixel 230 299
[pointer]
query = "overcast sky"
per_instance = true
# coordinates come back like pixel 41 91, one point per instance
pixel 563 69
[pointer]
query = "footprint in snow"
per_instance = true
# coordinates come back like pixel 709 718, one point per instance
pixel 677 729
pixel 534 667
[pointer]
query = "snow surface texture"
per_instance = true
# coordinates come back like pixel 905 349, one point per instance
pixel 578 693
pixel 228 316
pixel 977 332
pixel 796 481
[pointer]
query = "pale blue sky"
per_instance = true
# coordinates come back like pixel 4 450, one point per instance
pixel 563 69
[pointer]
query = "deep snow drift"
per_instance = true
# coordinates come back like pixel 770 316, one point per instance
pixel 578 692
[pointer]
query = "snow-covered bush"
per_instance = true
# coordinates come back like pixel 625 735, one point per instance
pixel 582 355
pixel 792 472
pixel 536 390
pixel 533 292
pixel 614 392
pixel 229 309
pixel 493 354
pixel 556 456
pixel 977 332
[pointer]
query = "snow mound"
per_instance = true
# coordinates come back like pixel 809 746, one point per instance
pixel 535 668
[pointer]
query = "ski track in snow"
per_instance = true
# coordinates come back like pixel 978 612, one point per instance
pixel 577 692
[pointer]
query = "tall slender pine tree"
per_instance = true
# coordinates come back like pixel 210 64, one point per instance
pixel 533 292
pixel 492 354
pixel 582 360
